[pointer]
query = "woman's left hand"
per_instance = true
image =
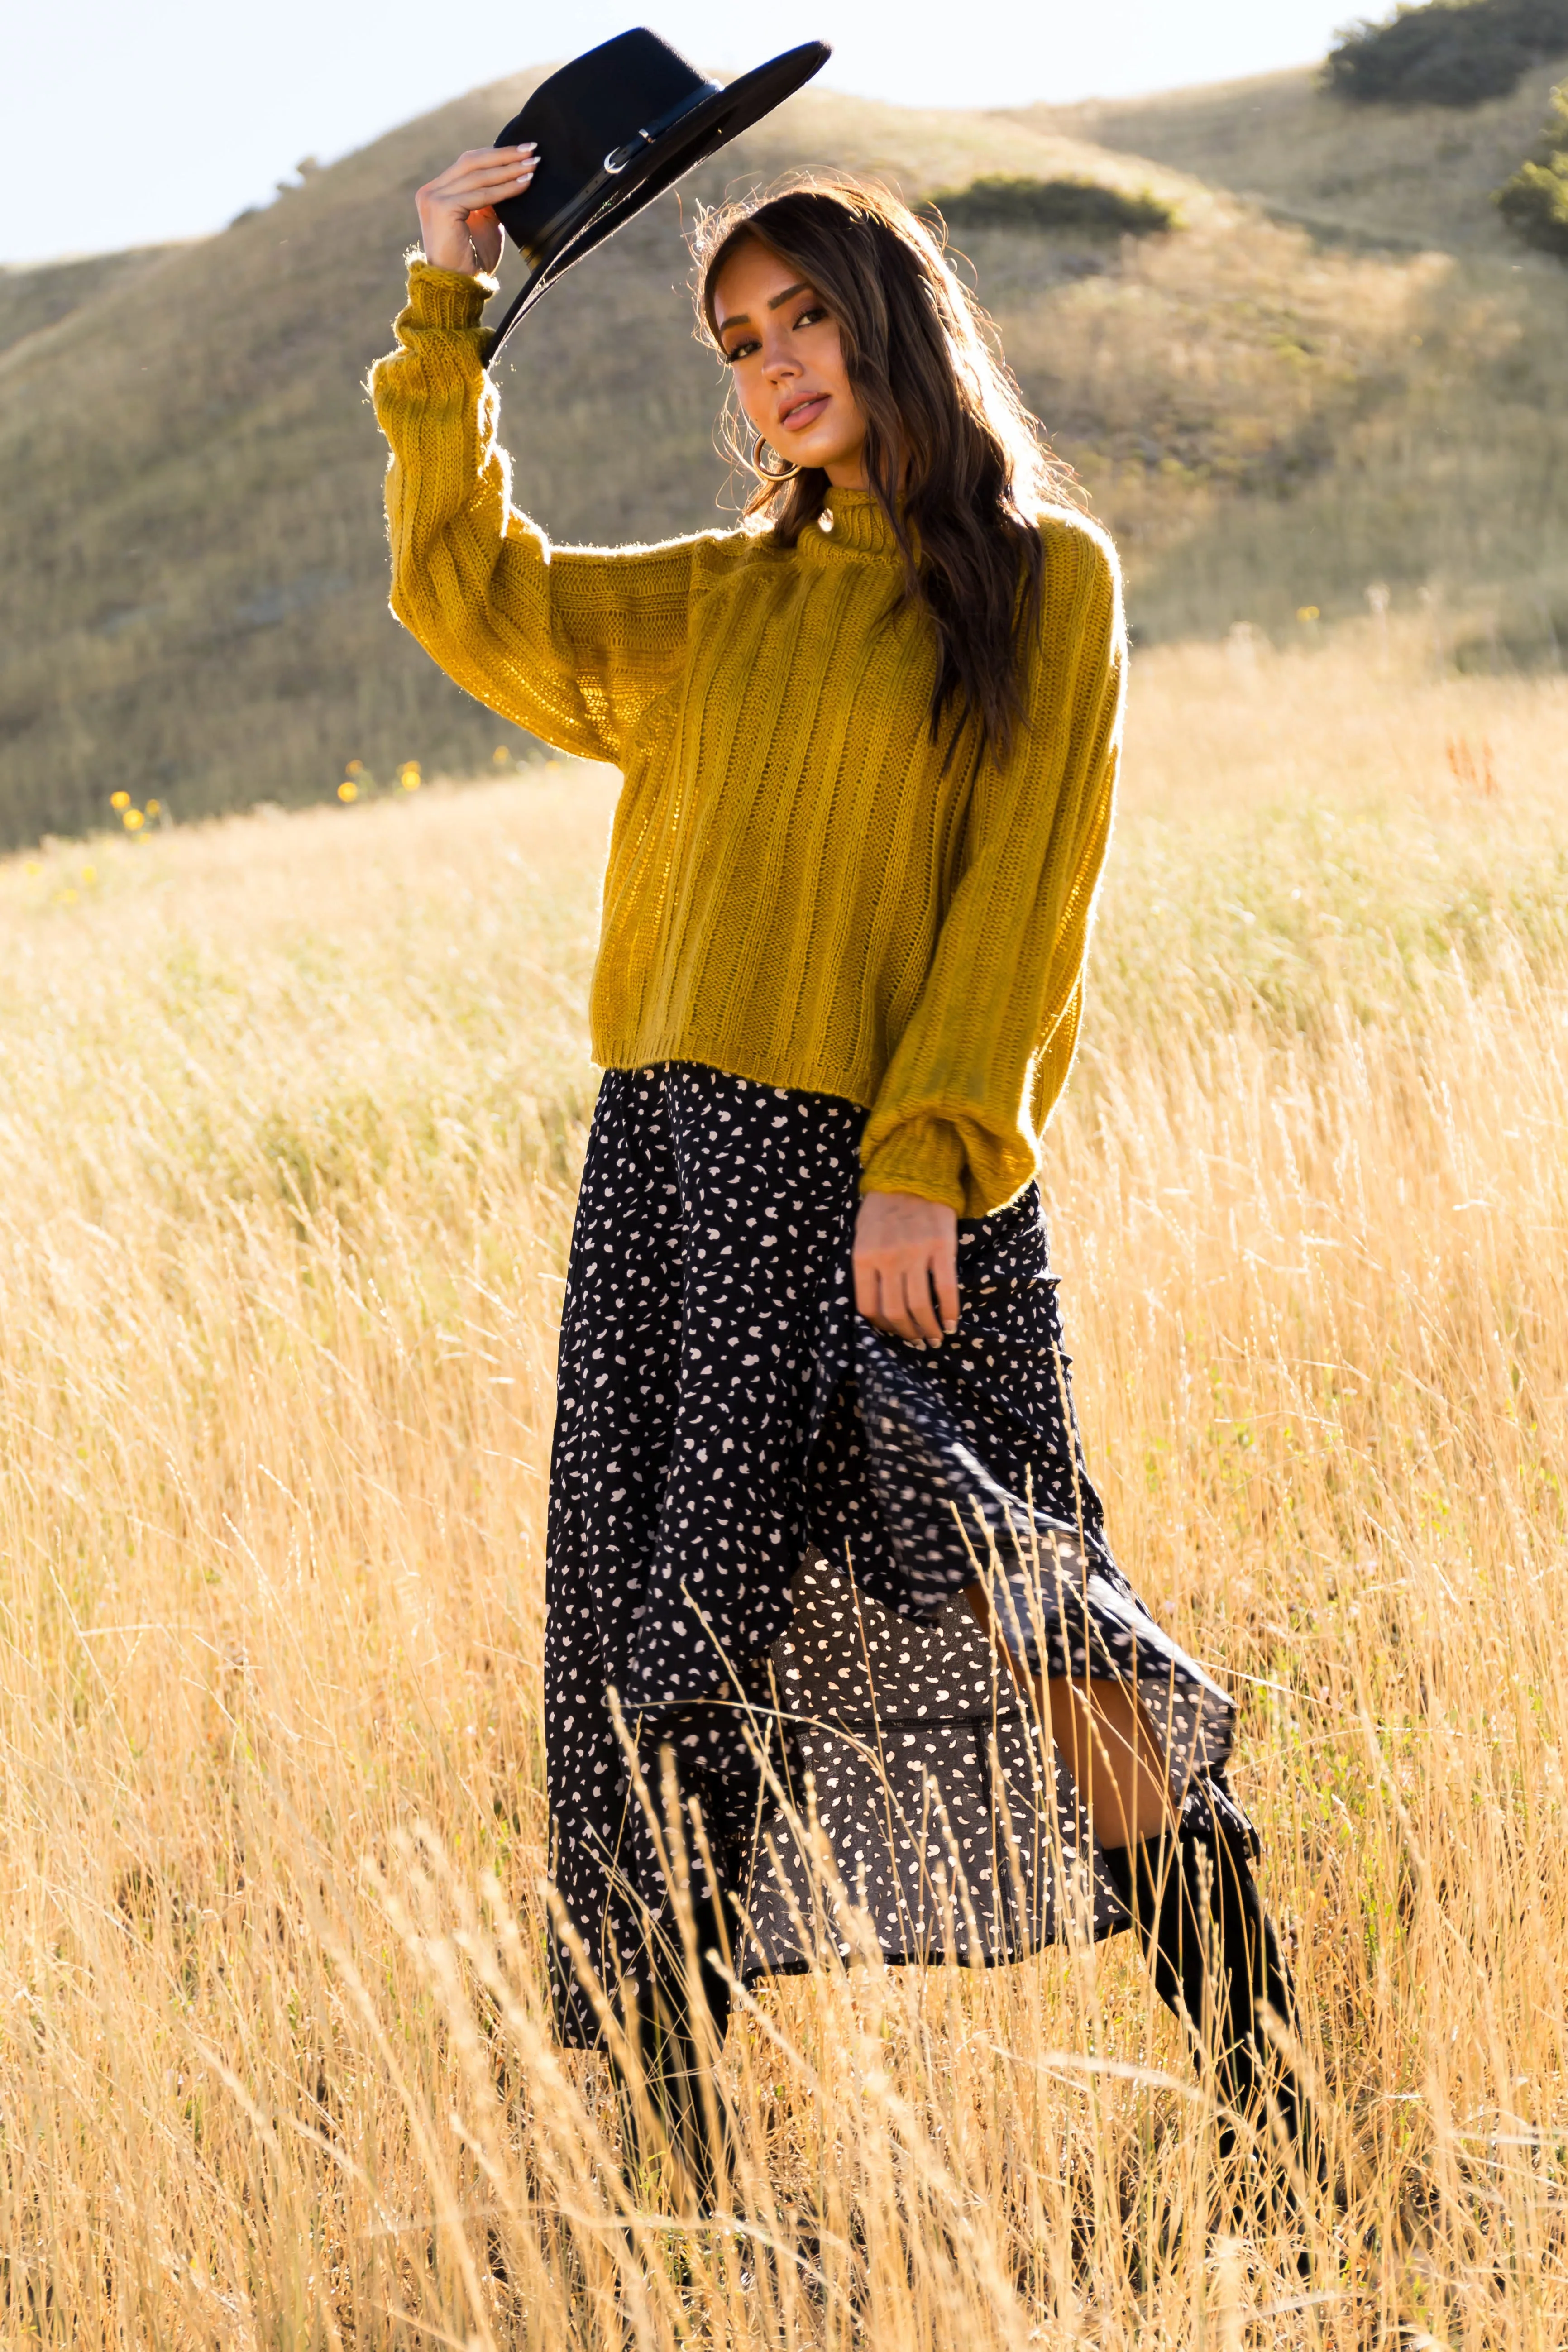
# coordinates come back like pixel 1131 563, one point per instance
pixel 906 1266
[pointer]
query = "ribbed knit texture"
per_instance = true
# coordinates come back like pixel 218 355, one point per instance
pixel 797 893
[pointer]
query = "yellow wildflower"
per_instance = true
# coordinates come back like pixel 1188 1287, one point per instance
pixel 119 800
pixel 132 820
pixel 1307 613
pixel 348 790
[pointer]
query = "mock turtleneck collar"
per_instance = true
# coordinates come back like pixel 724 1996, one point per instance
pixel 859 524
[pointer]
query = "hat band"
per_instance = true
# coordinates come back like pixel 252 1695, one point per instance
pixel 580 212
pixel 618 158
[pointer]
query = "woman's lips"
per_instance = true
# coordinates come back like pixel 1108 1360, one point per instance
pixel 804 412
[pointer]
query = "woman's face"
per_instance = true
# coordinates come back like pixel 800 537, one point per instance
pixel 782 343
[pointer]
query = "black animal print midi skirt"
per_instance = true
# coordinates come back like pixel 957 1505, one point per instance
pixel 761 1513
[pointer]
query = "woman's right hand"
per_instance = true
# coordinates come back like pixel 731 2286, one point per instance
pixel 457 209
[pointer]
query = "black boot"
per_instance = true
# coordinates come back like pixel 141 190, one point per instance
pixel 674 2117
pixel 1215 1961
pixel 678 2023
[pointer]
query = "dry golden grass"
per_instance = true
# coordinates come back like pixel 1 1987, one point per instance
pixel 292 1121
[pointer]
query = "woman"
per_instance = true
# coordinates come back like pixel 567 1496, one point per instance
pixel 869 742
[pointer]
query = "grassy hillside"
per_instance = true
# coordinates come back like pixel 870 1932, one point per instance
pixel 1415 175
pixel 32 299
pixel 192 568
pixel 192 594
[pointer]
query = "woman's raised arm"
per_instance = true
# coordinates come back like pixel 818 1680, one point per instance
pixel 572 643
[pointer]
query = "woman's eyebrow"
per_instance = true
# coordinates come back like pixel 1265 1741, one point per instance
pixel 775 302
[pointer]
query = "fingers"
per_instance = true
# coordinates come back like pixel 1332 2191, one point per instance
pixel 878 1295
pixel 489 167
pixel 457 208
pixel 944 1281
pixel 892 1314
pixel 482 161
pixel 899 1299
pixel 868 1289
pixel 489 183
pixel 485 175
pixel 919 1305
pixel 906 1266
pixel 484 233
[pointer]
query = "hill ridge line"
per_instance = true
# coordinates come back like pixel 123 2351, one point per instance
pixel 1269 413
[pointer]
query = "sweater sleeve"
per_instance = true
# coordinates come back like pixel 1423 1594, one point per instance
pixel 572 643
pixel 974 1077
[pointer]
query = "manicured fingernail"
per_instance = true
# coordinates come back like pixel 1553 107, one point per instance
pixel 951 1328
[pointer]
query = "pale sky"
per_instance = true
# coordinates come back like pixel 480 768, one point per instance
pixel 129 124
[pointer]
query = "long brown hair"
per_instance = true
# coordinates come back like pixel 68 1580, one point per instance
pixel 953 456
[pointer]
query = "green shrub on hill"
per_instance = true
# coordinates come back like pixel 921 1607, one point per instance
pixel 1447 52
pixel 1000 202
pixel 1535 201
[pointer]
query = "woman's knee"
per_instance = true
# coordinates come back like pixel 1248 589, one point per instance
pixel 1103 1737
pixel 1105 1741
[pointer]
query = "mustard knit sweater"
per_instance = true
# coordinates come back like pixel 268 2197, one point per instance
pixel 796 892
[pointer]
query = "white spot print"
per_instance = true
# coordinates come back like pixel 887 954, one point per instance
pixel 714 1215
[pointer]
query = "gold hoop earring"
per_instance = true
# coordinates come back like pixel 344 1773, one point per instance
pixel 767 472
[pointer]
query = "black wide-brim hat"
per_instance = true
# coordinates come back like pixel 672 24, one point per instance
pixel 613 129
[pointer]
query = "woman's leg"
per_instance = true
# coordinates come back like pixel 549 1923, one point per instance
pixel 1217 1963
pixel 1104 1739
pixel 671 2103
pixel 1196 1912
pixel 1099 1730
pixel 1195 1905
pixel 702 1767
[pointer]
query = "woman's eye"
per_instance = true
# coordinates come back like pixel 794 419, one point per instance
pixel 742 351
pixel 811 316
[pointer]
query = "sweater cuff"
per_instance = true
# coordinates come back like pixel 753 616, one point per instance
pixel 446 297
pixel 926 1157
